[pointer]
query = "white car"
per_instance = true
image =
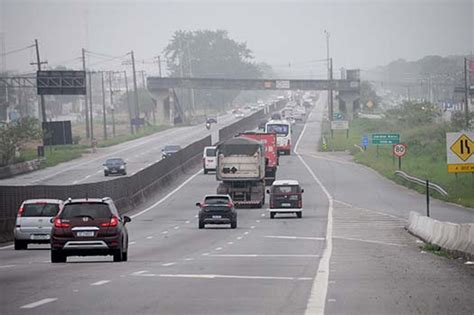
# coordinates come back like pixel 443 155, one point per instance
pixel 209 159
pixel 33 221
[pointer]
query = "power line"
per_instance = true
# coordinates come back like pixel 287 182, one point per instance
pixel 17 50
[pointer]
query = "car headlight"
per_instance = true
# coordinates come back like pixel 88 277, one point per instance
pixel 106 168
pixel 122 167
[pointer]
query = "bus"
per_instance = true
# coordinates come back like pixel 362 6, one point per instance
pixel 282 128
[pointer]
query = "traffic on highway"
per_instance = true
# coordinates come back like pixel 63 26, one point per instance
pixel 208 158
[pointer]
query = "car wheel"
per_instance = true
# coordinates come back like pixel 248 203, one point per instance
pixel 19 245
pixel 299 215
pixel 205 171
pixel 118 255
pixel 125 256
pixel 201 224
pixel 233 224
pixel 106 174
pixel 58 257
pixel 272 215
pixel 124 173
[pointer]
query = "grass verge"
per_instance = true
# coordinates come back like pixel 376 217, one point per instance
pixel 438 251
pixel 426 158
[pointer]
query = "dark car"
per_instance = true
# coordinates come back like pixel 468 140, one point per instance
pixel 286 196
pixel 115 166
pixel 211 120
pixel 89 227
pixel 276 116
pixel 217 209
pixel 169 150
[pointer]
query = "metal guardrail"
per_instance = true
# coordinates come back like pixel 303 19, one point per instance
pixel 426 183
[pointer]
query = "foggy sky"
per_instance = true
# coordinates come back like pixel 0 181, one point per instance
pixel 287 35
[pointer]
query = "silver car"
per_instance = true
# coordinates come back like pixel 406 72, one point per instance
pixel 33 221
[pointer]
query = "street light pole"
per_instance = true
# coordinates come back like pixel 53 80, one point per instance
pixel 330 100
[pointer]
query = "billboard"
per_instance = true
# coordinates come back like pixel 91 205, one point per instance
pixel 57 132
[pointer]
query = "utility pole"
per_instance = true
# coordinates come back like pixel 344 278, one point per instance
pixel 112 103
pixel 466 94
pixel 159 64
pixel 104 114
pixel 86 105
pixel 39 63
pixel 137 106
pixel 329 60
pixel 91 111
pixel 128 102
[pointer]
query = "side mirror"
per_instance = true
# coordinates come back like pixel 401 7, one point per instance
pixel 103 164
pixel 302 190
pixel 126 219
pixel 124 163
pixel 198 204
pixel 268 191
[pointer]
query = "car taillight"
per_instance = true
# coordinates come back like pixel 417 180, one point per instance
pixel 58 223
pixel 20 211
pixel 300 204
pixel 112 223
pixel 230 205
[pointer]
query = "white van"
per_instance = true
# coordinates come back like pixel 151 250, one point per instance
pixel 209 159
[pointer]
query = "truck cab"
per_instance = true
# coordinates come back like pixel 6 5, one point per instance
pixel 286 196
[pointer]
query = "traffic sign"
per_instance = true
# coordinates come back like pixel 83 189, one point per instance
pixel 365 141
pixel 399 150
pixel 337 116
pixel 61 82
pixel 385 138
pixel 339 124
pixel 460 152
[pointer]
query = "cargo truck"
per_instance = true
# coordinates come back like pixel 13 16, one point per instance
pixel 269 141
pixel 241 170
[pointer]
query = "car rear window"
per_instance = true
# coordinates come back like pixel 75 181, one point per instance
pixel 114 161
pixel 285 189
pixel 216 200
pixel 211 152
pixel 94 210
pixel 40 210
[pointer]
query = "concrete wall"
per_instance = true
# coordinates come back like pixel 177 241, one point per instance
pixel 458 238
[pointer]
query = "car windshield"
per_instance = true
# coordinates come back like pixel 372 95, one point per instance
pixel 114 161
pixel 211 152
pixel 40 210
pixel 172 148
pixel 285 189
pixel 279 129
pixel 216 200
pixel 94 210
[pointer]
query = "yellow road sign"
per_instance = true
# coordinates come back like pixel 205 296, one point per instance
pixel 463 147
pixel 460 152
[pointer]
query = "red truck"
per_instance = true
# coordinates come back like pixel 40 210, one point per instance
pixel 271 155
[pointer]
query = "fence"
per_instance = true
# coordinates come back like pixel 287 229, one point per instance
pixel 126 192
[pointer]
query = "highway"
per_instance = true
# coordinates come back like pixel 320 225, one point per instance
pixel 138 154
pixel 349 254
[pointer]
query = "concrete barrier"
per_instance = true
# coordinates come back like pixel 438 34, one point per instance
pixel 20 168
pixel 457 238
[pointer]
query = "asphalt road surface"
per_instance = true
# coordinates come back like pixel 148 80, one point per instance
pixel 349 254
pixel 138 154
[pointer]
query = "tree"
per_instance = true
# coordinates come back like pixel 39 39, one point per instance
pixel 414 113
pixel 14 135
pixel 368 95
pixel 209 54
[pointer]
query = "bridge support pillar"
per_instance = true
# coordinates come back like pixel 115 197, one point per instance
pixel 348 103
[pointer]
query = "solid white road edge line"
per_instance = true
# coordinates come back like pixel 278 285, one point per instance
pixel 7 246
pixel 262 255
pixel 38 303
pixel 167 196
pixel 367 241
pixel 317 298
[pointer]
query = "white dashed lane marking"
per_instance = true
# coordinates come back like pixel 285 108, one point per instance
pixel 39 303
pixel 296 237
pixel 7 266
pixel 100 282
pixel 149 237
pixel 168 264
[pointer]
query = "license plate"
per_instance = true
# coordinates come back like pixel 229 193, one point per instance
pixel 113 171
pixel 216 217
pixel 85 234
pixel 40 237
pixel 286 204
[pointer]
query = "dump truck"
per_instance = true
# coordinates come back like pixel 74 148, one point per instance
pixel 241 170
pixel 269 141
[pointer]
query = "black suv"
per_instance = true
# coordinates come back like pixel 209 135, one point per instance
pixel 217 209
pixel 115 166
pixel 89 227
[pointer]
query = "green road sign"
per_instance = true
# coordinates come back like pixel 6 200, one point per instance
pixel 337 116
pixel 385 138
